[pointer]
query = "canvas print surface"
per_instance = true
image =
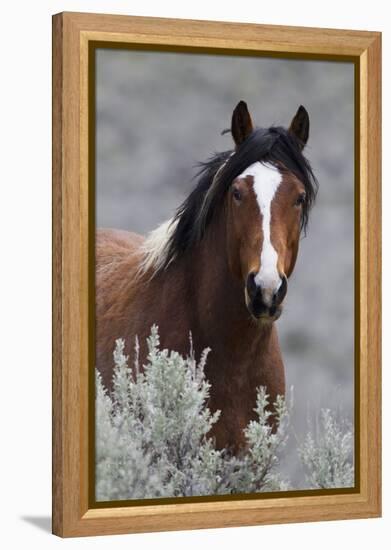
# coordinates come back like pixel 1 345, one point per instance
pixel 224 275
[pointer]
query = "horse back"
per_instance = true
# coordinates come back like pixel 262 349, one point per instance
pixel 113 245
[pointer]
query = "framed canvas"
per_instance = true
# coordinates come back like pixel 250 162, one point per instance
pixel 175 403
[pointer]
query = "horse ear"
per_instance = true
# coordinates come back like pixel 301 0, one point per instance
pixel 300 126
pixel 241 125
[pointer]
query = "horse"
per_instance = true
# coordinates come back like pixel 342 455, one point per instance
pixel 218 269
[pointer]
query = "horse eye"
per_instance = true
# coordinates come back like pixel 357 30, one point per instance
pixel 300 199
pixel 237 194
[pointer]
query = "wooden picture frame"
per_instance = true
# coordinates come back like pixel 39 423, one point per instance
pixel 74 35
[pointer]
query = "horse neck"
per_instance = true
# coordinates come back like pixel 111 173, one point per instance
pixel 217 298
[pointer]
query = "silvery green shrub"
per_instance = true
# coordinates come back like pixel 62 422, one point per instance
pixel 152 433
pixel 327 455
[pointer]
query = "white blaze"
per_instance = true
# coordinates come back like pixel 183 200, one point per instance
pixel 267 179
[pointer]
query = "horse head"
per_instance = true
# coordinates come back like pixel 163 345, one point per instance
pixel 267 206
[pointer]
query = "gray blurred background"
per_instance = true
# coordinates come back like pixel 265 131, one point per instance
pixel 158 114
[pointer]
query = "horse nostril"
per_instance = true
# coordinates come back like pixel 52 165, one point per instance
pixel 252 288
pixel 281 292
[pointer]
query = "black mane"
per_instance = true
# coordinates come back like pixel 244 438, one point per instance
pixel 274 145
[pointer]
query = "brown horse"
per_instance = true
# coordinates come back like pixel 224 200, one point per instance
pixel 218 269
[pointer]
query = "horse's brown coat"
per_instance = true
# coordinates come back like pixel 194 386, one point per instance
pixel 198 293
pixel 202 291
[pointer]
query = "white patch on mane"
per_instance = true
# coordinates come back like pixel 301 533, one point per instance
pixel 155 247
pixel 267 179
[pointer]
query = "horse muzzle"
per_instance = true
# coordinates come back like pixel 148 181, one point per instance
pixel 265 303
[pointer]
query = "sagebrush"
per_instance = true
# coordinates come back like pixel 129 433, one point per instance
pixel 327 455
pixel 152 435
